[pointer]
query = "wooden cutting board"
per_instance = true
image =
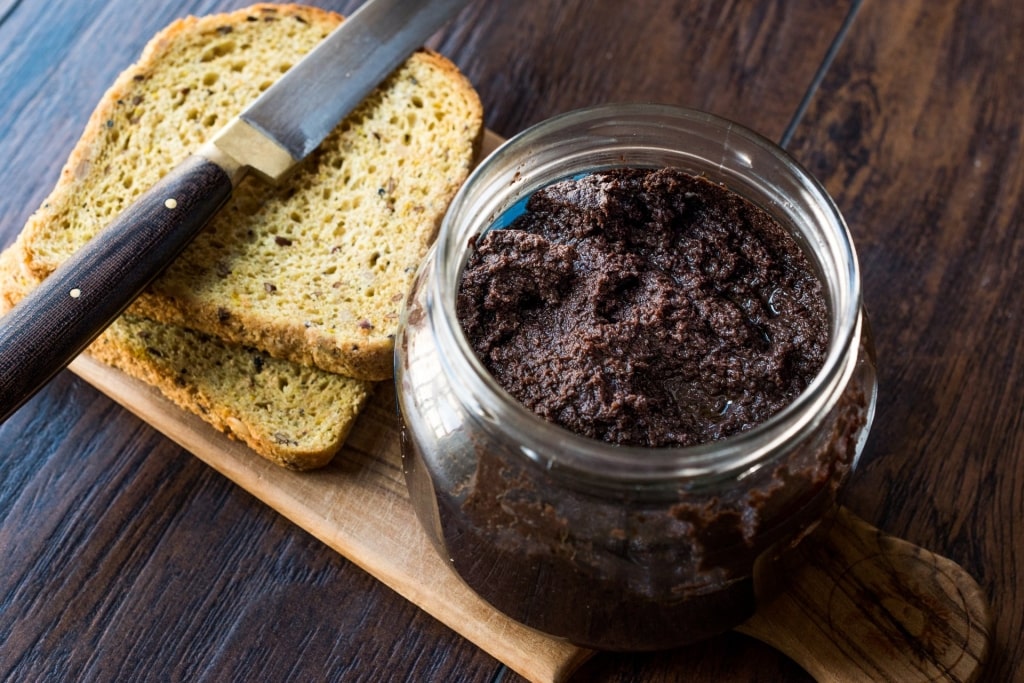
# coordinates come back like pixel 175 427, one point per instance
pixel 916 616
pixel 332 503
pixel 905 613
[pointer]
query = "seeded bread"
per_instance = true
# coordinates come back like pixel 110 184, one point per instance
pixel 294 415
pixel 313 270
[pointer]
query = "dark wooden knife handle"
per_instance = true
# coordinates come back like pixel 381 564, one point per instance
pixel 59 318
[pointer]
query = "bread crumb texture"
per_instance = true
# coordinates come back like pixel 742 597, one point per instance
pixel 313 270
pixel 294 415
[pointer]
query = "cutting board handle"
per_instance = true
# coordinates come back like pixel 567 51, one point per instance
pixel 859 605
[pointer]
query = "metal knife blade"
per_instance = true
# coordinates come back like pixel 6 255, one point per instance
pixel 293 116
pixel 61 316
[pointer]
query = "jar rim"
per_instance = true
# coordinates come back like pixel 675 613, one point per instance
pixel 556 448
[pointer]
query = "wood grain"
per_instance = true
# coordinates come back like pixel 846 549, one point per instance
pixel 917 133
pixel 240 593
pixel 749 61
pixel 358 505
pixel 854 605
pixel 124 557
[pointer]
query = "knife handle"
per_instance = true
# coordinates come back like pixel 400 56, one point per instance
pixel 71 307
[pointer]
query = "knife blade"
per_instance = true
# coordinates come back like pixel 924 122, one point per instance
pixel 71 307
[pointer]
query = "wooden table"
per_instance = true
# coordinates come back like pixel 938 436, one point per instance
pixel 123 557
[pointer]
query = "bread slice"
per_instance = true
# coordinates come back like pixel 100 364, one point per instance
pixel 294 415
pixel 313 270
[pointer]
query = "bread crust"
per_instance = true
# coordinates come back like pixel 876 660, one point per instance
pixel 344 320
pixel 295 416
pixel 229 383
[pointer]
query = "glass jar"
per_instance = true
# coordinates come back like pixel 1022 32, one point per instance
pixel 615 547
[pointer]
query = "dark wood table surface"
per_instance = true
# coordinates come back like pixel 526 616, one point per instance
pixel 123 557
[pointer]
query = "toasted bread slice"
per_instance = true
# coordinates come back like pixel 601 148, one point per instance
pixel 294 415
pixel 313 270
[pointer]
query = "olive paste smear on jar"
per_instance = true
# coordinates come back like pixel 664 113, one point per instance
pixel 645 307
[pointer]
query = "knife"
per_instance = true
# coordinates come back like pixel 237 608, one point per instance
pixel 59 318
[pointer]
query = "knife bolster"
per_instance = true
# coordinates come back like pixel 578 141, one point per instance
pixel 239 147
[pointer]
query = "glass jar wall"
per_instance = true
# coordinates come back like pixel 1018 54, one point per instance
pixel 619 547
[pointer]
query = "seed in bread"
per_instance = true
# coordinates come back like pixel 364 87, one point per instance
pixel 313 270
pixel 294 415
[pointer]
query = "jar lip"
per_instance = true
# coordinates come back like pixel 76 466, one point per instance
pixel 555 447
